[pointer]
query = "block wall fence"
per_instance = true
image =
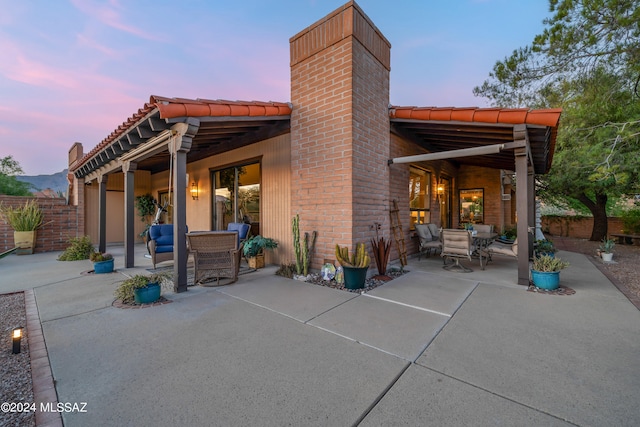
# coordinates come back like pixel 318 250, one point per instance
pixel 577 227
pixel 61 222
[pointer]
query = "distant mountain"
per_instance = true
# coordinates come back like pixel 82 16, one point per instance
pixel 57 182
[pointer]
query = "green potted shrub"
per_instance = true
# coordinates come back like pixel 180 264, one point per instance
pixel 545 271
pixel 25 221
pixel 79 248
pixel 545 247
pixel 355 266
pixel 606 249
pixel 102 262
pixel 254 248
pixel 141 288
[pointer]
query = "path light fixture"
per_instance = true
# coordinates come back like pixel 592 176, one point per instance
pixel 17 337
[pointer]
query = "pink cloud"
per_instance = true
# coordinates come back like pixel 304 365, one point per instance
pixel 111 15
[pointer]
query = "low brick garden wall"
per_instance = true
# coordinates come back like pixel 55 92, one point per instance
pixel 576 227
pixel 62 221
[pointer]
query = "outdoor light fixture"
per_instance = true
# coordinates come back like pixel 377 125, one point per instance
pixel 194 190
pixel 17 336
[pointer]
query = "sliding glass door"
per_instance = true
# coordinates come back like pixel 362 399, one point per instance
pixel 237 196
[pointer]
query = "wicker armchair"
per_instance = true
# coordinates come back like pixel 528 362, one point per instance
pixel 216 254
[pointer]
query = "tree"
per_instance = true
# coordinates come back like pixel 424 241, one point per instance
pixel 9 184
pixel 582 35
pixel 596 156
pixel 586 61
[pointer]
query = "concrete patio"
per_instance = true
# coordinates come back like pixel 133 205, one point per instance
pixel 429 348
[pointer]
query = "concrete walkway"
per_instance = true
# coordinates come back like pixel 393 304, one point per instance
pixel 430 348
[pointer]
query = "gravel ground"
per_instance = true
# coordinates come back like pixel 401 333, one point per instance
pixel 15 369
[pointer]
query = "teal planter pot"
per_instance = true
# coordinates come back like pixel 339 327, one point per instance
pixel 148 294
pixel 102 267
pixel 354 278
pixel 546 280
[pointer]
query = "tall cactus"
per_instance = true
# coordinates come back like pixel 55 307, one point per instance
pixel 303 252
pixel 307 250
pixel 295 225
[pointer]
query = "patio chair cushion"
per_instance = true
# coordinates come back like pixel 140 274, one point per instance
pixel 503 249
pixel 483 228
pixel 241 228
pixel 423 232
pixel 434 230
pixel 162 234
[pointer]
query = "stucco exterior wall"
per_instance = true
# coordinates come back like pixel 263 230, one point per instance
pixel 275 213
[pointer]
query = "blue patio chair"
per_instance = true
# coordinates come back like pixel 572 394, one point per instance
pixel 242 229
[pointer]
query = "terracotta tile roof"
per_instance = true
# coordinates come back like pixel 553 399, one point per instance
pixel 177 107
pixel 169 108
pixel 548 117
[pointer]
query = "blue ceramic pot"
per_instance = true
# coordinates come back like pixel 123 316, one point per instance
pixel 148 294
pixel 548 280
pixel 101 267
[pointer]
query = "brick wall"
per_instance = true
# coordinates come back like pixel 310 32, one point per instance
pixel 339 129
pixel 488 179
pixel 61 221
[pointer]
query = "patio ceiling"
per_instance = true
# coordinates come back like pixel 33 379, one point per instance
pixel 447 129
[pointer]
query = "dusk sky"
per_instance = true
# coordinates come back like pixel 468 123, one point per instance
pixel 74 70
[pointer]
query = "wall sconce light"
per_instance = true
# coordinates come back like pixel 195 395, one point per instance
pixel 17 336
pixel 440 190
pixel 194 190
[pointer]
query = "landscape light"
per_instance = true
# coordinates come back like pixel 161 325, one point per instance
pixel 17 336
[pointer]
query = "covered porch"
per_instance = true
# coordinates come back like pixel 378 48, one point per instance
pixel 518 140
pixel 162 139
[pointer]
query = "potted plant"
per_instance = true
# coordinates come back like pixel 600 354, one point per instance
pixel 355 266
pixel 141 288
pixel 545 271
pixel 146 206
pixel 606 249
pixel 545 247
pixel 254 247
pixel 24 220
pixel 102 262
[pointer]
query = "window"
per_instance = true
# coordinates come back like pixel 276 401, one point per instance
pixel 419 196
pixel 472 206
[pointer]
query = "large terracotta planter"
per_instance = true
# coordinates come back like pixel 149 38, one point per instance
pixel 25 241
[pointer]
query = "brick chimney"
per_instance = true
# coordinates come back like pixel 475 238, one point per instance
pixel 340 129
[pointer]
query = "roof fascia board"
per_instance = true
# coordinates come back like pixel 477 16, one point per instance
pixel 455 123
pixel 222 119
